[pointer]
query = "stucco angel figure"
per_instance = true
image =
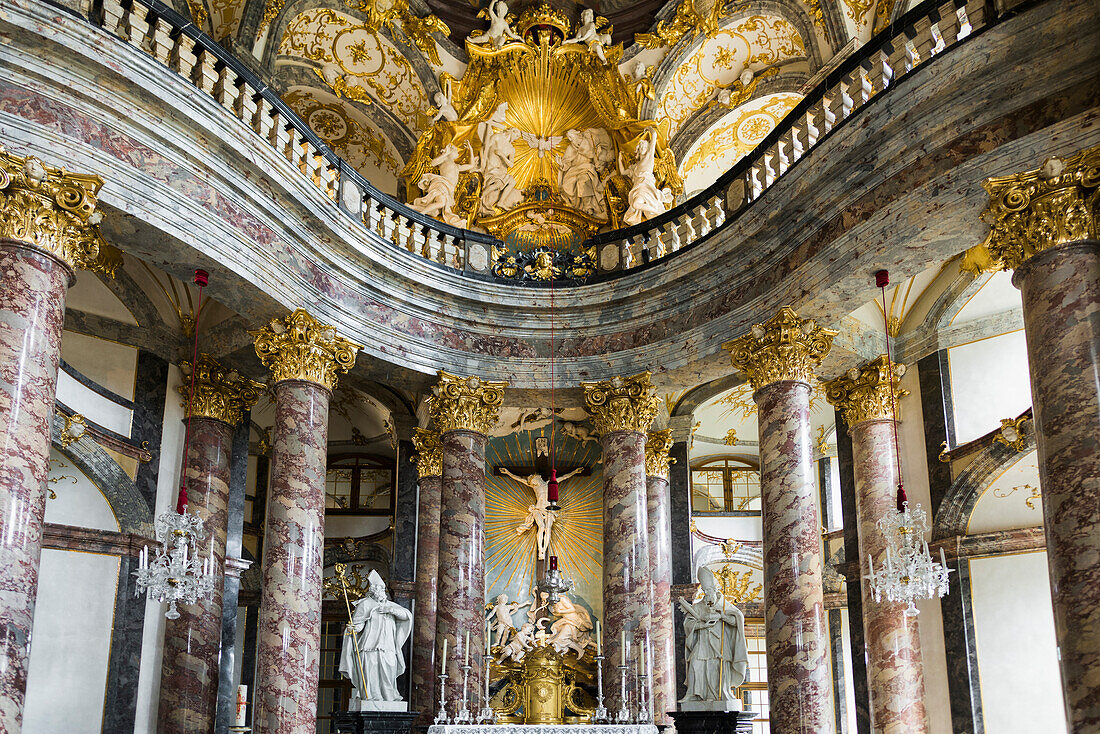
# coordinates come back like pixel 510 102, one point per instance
pixel 444 109
pixel 645 200
pixel 439 188
pixel 717 656
pixel 589 35
pixel 642 76
pixel 539 514
pixel 500 617
pixel 523 640
pixel 498 153
pixel 381 629
pixel 570 630
pixel 578 177
pixel 499 31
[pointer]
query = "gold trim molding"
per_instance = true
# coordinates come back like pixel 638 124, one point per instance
pixel 466 403
pixel 657 460
pixel 1035 210
pixel 51 209
pixel 621 403
pixel 220 394
pixel 429 452
pixel 299 347
pixel 786 347
pixel 863 394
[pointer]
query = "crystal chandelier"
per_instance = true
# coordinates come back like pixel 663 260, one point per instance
pixel 176 574
pixel 909 573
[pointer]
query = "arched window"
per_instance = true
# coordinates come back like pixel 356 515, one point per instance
pixel 725 484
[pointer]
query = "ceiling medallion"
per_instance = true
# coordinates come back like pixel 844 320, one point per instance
pixel 540 142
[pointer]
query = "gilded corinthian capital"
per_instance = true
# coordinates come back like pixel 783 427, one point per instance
pixel 52 210
pixel 863 394
pixel 466 403
pixel 1035 210
pixel 220 394
pixel 299 347
pixel 621 403
pixel 785 347
pixel 657 460
pixel 429 453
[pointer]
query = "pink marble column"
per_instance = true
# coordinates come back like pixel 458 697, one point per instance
pixel 32 311
pixel 429 462
pixel 662 634
pixel 1061 298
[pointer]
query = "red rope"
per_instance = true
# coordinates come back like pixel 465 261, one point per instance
pixel 553 462
pixel 893 407
pixel 181 500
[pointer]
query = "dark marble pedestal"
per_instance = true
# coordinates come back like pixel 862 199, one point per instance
pixel 713 722
pixel 375 722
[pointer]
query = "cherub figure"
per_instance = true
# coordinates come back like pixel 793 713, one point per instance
pixel 499 31
pixel 444 109
pixel 500 614
pixel 523 640
pixel 589 34
pixel 539 514
pixel 645 200
pixel 439 188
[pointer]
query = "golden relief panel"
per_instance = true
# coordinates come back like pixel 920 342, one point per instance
pixel 351 137
pixel 752 43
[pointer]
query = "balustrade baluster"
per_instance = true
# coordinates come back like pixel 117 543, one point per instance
pixel 225 89
pixel 203 75
pixel 137 25
pixel 161 42
pixel 183 60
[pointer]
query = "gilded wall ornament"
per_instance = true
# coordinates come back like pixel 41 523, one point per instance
pixel 785 347
pixel 299 347
pixel 466 403
pixel 1035 210
pixel 621 403
pixel 220 394
pixel 1011 433
pixel 687 23
pixel 429 452
pixel 864 393
pixel 657 446
pixel 51 209
pixel 736 586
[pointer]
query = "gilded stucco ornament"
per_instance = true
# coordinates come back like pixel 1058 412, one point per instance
pixel 466 403
pixel 786 347
pixel 299 347
pixel 621 403
pixel 863 394
pixel 1035 210
pixel 429 452
pixel 53 210
pixel 687 23
pixel 657 446
pixel 220 394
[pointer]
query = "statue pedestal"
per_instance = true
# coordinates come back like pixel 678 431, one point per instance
pixel 713 722
pixel 375 722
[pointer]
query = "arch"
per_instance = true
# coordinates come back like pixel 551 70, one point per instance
pixel 697 396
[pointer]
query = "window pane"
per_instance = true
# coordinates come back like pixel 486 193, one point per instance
pixel 375 486
pixel 338 489
pixel 707 490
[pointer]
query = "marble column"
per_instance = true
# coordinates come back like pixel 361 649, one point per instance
pixel 464 410
pixel 189 673
pixel 305 358
pixel 895 673
pixel 779 358
pixel 1045 226
pixel 659 526
pixel 679 479
pixel 47 231
pixel 429 466
pixel 622 410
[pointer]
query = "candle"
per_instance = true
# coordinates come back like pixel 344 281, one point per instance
pixel 641 659
pixel 553 563
pixel 599 639
pixel 242 705
pixel 623 651
pixel 488 637
pixel 443 659
pixel 466 650
pixel 943 558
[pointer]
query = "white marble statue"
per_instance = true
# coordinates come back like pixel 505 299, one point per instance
pixel 717 657
pixel 498 153
pixel 578 178
pixel 444 109
pixel 570 631
pixel 500 617
pixel 381 628
pixel 521 642
pixel 645 200
pixel 499 31
pixel 589 35
pixel 539 515
pixel 439 188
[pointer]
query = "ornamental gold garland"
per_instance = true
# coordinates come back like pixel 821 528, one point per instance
pixel 299 347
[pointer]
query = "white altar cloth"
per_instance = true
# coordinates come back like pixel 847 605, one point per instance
pixel 542 729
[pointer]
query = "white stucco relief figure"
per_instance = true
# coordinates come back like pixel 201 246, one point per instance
pixel 517 647
pixel 715 649
pixel 589 35
pixel 498 153
pixel 539 515
pixel 500 617
pixel 439 188
pixel 499 31
pixel 571 630
pixel 381 629
pixel 579 177
pixel 645 200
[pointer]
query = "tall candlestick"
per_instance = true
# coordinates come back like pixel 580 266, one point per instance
pixel 466 650
pixel 443 659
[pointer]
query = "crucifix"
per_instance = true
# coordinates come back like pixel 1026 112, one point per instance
pixel 542 513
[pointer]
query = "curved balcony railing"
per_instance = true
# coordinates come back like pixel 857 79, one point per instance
pixel 921 34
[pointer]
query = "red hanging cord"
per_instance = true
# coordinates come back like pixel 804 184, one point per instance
pixel 552 485
pixel 882 279
pixel 201 279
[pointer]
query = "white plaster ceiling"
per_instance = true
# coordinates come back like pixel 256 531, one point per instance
pixel 1010 502
pixel 997 295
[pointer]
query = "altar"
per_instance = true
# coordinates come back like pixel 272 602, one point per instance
pixel 542 729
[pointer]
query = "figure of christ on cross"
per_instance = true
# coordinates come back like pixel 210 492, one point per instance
pixel 539 515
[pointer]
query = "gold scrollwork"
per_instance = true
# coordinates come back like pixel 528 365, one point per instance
pixel 867 393
pixel 737 586
pixel 687 23
pixel 299 347
pixel 786 347
pixel 1011 433
pixel 1034 493
pixel 429 452
pixel 220 394
pixel 357 584
pixel 466 403
pixel 657 446
pixel 621 403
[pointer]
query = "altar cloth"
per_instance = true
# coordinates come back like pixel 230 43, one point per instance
pixel 542 728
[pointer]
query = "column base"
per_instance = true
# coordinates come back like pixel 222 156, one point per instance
pixel 712 722
pixel 375 722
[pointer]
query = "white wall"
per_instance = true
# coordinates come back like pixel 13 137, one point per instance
pixel 1017 654
pixel 79 501
pixel 989 381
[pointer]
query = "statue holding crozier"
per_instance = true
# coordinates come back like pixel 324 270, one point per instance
pixel 371 656
pixel 717 656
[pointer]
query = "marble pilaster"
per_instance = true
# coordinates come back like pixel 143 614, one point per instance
pixel 779 357
pixel 679 479
pixel 464 410
pixel 46 231
pixel 429 464
pixel 662 638
pixel 305 358
pixel 622 410
pixel 895 672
